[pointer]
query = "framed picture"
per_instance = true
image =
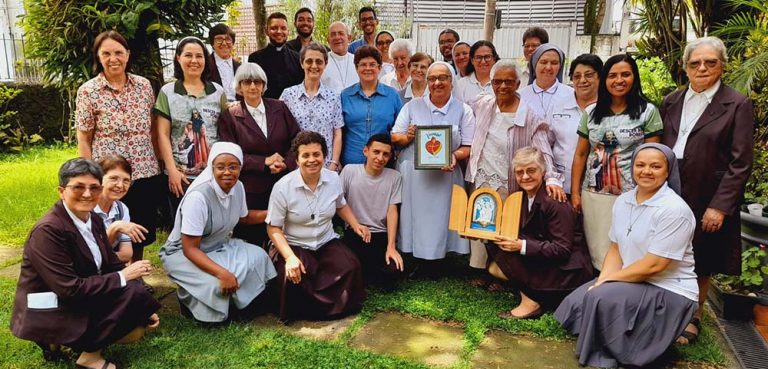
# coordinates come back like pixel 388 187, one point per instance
pixel 433 147
pixel 484 215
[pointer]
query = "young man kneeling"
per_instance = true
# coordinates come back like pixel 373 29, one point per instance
pixel 373 193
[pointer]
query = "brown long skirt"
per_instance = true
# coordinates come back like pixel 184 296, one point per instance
pixel 331 288
pixel 114 316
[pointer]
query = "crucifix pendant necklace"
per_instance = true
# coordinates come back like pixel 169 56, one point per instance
pixel 632 223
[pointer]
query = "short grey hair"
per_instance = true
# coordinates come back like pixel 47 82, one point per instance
pixel 715 42
pixel 529 155
pixel 79 167
pixel 249 71
pixel 346 27
pixel 505 65
pixel 401 44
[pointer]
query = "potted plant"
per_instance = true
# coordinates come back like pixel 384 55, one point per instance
pixel 734 296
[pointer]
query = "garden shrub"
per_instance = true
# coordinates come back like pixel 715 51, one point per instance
pixel 655 79
pixel 13 137
pixel 41 110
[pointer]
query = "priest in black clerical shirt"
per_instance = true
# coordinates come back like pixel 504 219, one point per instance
pixel 280 63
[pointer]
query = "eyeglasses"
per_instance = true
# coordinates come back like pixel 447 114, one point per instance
pixel 116 180
pixel 231 168
pixel 499 82
pixel 367 19
pixel 383 43
pixel 529 171
pixel 709 63
pixel 310 61
pixel 367 66
pixel 222 40
pixel 250 81
pixel 80 188
pixel 440 77
pixel 587 75
pixel 479 58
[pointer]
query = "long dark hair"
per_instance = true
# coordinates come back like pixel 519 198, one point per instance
pixel 177 72
pixel 636 100
pixel 473 50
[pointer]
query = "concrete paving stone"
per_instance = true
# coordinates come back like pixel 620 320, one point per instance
pixel 430 342
pixel 327 330
pixel 504 350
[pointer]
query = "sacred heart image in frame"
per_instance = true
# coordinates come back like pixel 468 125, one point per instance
pixel 483 215
pixel 433 147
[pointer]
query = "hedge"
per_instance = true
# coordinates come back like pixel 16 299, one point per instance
pixel 42 110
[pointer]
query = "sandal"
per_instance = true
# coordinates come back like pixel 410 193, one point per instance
pixel 532 315
pixel 105 366
pixel 692 337
pixel 52 352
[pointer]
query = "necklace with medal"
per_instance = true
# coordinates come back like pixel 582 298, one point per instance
pixel 632 223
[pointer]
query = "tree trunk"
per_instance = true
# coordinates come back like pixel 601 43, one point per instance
pixel 489 23
pixel 260 15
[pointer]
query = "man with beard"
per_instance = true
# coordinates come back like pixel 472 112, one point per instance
pixel 304 21
pixel 279 62
pixel 340 72
pixel 446 39
pixel 367 21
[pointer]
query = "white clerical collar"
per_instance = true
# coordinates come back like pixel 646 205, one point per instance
pixel 259 108
pixel 337 56
pixel 708 93
pixel 551 90
pixel 219 59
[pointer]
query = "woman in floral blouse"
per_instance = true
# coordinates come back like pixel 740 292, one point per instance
pixel 113 116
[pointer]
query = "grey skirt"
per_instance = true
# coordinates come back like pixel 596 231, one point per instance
pixel 623 323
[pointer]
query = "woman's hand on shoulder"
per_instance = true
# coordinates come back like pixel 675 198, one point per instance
pixel 556 192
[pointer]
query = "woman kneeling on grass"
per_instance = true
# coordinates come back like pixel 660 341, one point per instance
pixel 73 290
pixel 544 263
pixel 646 292
pixel 211 268
pixel 318 276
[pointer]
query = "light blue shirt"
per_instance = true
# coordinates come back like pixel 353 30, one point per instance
pixel 366 116
pixel 360 42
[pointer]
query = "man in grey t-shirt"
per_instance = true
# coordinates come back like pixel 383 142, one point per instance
pixel 373 192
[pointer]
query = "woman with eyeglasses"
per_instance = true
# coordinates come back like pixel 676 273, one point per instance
pixel 584 73
pixel 482 57
pixel 73 291
pixel 316 106
pixel 622 120
pixel 505 124
pixel 211 268
pixel 223 63
pixel 191 99
pixel 417 84
pixel 383 41
pixel 426 194
pixel 709 126
pixel 369 107
pixel 113 115
pixel 116 216
pixel 263 128
pixel 554 102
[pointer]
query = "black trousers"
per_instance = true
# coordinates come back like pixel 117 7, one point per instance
pixel 376 271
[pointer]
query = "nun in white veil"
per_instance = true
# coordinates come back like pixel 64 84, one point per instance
pixel 211 268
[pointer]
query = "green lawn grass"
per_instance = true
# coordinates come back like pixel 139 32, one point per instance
pixel 27 190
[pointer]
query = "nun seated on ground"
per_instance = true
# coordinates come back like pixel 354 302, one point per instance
pixel 211 268
pixel 646 292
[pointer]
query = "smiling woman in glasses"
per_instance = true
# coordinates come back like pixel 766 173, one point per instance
pixel 505 124
pixel 482 57
pixel 213 269
pixel 264 129
pixel 73 290
pixel 709 127
pixel 426 194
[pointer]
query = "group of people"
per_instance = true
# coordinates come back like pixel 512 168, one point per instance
pixel 628 209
